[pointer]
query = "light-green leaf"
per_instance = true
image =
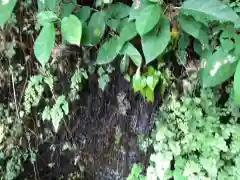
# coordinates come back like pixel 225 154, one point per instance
pixel 71 28
pixel 152 82
pixel 236 86
pixel 119 10
pixel 195 29
pixel 137 7
pixel 154 44
pixel 147 19
pixel 44 44
pixel 44 17
pixel 84 13
pixel 129 50
pixel 203 10
pixel 128 32
pixel 67 8
pixel 124 64
pixel 216 68
pixel 109 50
pixel 6 9
pixel 97 26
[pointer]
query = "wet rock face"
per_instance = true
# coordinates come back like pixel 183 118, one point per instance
pixel 92 130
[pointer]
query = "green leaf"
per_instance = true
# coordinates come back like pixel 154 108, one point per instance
pixel 154 44
pixel 84 13
pixel 128 32
pixel 149 94
pixel 67 8
pixel 236 86
pixel 71 28
pixel 227 38
pixel 237 48
pixel 6 9
pixel 138 82
pixel 203 10
pixel 195 29
pixel 109 50
pixel 119 10
pixel 103 80
pixel 124 64
pixel 152 82
pixel 147 19
pixel 137 7
pixel 216 68
pixel 86 39
pixel 44 44
pixel 52 5
pixel 113 24
pixel 44 17
pixel 129 50
pixel 97 27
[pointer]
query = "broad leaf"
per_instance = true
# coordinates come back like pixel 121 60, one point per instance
pixel 138 82
pixel 203 10
pixel 6 8
pixel 119 10
pixel 216 68
pixel 44 44
pixel 227 39
pixel 129 50
pixel 195 29
pixel 237 48
pixel 44 17
pixel 109 50
pixel 154 44
pixel 152 82
pixel 52 5
pixel 113 24
pixel 97 26
pixel 67 8
pixel 71 29
pixel 137 7
pixel 84 13
pixel 147 19
pixel 128 32
pixel 86 41
pixel 236 86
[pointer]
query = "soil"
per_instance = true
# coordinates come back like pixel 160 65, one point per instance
pixel 99 142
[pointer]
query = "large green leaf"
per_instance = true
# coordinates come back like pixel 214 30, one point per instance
pixel 84 13
pixel 236 85
pixel 207 10
pixel 195 29
pixel 6 8
pixel 227 39
pixel 147 19
pixel 71 28
pixel 153 44
pixel 119 10
pixel 109 50
pixel 216 68
pixel 97 25
pixel 44 44
pixel 67 8
pixel 129 50
pixel 52 5
pixel 44 17
pixel 137 7
pixel 128 32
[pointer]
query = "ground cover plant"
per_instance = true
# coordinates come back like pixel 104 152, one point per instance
pixel 141 54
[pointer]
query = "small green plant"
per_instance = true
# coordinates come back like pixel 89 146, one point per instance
pixel 195 139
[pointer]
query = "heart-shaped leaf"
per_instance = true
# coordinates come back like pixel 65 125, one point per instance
pixel 129 31
pixel 109 50
pixel 71 28
pixel 44 17
pixel 84 13
pixel 154 44
pixel 216 68
pixel 147 19
pixel 44 44
pixel 97 25
pixel 129 50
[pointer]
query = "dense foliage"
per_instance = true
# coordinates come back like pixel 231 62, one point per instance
pixel 196 134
